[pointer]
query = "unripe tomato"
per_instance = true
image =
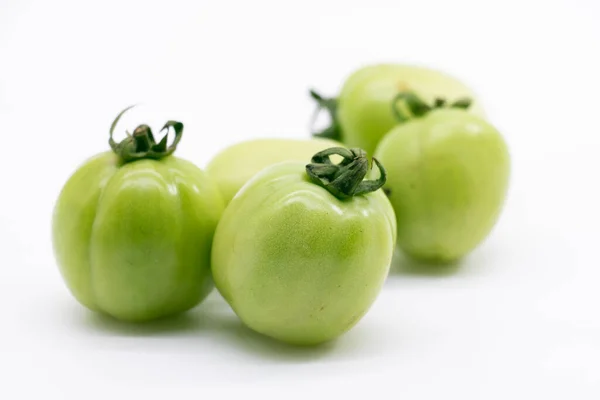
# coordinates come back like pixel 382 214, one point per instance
pixel 448 175
pixel 132 229
pixel 362 113
pixel 301 252
pixel 232 167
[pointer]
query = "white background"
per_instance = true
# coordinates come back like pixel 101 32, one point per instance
pixel 519 319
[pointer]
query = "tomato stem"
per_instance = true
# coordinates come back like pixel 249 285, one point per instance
pixel 417 107
pixel 345 179
pixel 333 131
pixel 141 144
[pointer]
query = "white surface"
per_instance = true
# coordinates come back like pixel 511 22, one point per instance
pixel 519 320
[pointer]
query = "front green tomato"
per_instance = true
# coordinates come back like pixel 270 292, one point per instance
pixel 301 252
pixel 362 112
pixel 448 175
pixel 132 230
pixel 235 165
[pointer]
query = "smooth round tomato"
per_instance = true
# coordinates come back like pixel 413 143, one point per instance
pixel 235 165
pixel 301 252
pixel 362 112
pixel 448 175
pixel 133 228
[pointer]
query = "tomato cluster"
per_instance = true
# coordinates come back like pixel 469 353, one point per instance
pixel 297 235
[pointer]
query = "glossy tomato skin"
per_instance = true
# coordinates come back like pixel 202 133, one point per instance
pixel 297 264
pixel 133 240
pixel 235 165
pixel 448 176
pixel 365 101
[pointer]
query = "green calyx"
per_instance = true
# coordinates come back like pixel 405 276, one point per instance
pixel 333 131
pixel 141 143
pixel 345 179
pixel 417 107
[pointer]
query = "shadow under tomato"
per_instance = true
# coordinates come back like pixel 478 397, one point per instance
pixel 192 321
pixel 249 341
pixel 176 324
pixel 403 265
pixel 231 332
pixel 212 320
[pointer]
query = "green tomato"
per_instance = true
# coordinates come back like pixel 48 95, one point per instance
pixel 362 113
pixel 300 256
pixel 448 178
pixel 132 230
pixel 234 166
